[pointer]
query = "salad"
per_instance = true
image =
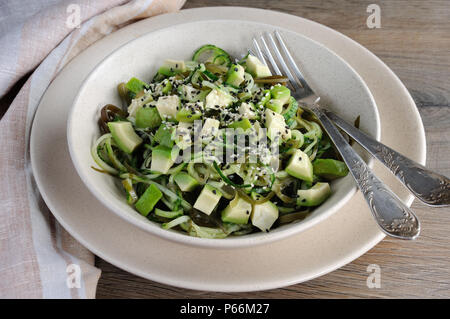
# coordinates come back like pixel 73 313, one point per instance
pixel 215 147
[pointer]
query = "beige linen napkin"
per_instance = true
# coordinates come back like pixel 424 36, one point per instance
pixel 38 258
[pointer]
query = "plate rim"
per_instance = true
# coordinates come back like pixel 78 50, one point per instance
pixel 337 263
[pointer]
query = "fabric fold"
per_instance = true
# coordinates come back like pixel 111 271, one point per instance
pixel 38 258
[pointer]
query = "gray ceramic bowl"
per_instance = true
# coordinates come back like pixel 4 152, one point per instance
pixel 339 86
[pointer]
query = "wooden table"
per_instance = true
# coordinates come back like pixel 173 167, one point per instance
pixel 414 40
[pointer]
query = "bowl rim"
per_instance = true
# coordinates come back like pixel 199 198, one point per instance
pixel 229 242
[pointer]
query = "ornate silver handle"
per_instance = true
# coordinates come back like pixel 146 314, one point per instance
pixel 431 188
pixel 394 217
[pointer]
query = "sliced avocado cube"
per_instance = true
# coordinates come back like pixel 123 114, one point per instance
pixel 245 95
pixel 185 115
pixel 164 70
pixel 124 136
pixel 247 110
pixel 182 135
pixel 244 124
pixel 201 97
pixel 168 214
pixel 258 131
pixel 148 200
pixel 172 67
pixel 280 96
pixel 281 93
pixel 300 166
pixel 329 168
pixel 275 105
pixel 190 112
pixel 147 117
pixel 218 99
pixel 314 196
pixel 135 85
pixel 164 136
pixel 189 93
pixel 167 106
pixel 256 68
pixel 291 112
pixel 139 102
pixel 235 75
pixel 185 182
pixel 161 159
pixel 264 215
pixel 208 199
pixel 144 98
pixel 209 130
pixel 238 211
pixel 276 126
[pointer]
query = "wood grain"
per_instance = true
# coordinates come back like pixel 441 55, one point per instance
pixel 414 40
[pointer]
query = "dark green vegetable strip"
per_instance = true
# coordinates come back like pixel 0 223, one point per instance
pixel 273 79
pixel 215 68
pixel 288 218
pixel 210 75
pixel 257 200
pixel 168 214
pixel 290 112
pixel 226 179
pixel 109 113
pixel 131 194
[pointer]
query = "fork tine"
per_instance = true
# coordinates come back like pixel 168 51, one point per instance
pixel 270 57
pixel 290 59
pixel 258 51
pixel 283 64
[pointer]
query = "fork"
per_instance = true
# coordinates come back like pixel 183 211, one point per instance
pixel 392 215
pixel 431 188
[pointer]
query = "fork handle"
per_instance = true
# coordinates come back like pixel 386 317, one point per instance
pixel 431 188
pixel 394 217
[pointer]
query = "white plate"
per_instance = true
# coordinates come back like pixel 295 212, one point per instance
pixel 339 239
pixel 338 85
